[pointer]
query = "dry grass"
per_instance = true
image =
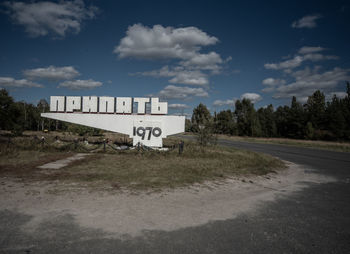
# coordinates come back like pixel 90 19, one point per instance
pixel 131 169
pixel 156 170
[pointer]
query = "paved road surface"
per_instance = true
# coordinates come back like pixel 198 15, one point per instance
pixel 315 220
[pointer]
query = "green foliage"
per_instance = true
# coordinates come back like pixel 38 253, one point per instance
pixel 247 119
pixel 201 116
pixel 188 125
pixel 203 125
pixel 317 119
pixel 225 123
pixel 82 130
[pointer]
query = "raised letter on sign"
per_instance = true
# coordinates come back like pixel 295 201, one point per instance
pixel 57 103
pixel 141 105
pixel 158 108
pixel 73 103
pixel 90 104
pixel 124 105
pixel 107 104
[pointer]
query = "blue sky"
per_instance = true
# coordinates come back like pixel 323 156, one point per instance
pixel 184 52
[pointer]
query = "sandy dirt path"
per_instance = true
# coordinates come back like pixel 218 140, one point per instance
pixel 123 214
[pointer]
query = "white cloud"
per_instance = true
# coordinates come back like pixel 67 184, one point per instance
pixel 253 97
pixel 11 82
pixel 306 54
pixel 42 18
pixel 308 50
pixel 177 106
pixel 161 42
pixel 210 61
pixel 180 44
pixel 273 82
pixel 179 75
pixel 182 93
pixel 308 81
pixel 190 78
pixel 220 103
pixel 51 73
pixel 308 21
pixel 340 95
pixel 80 84
pixel 319 57
pixel 187 115
pixel 288 64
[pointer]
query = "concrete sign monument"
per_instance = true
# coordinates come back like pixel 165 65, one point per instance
pixel 145 120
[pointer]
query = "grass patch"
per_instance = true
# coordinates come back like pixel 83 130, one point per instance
pixel 156 170
pixel 129 169
pixel 324 145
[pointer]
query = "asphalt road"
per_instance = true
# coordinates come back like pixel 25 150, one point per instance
pixel 315 220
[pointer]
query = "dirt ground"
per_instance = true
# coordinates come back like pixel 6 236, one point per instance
pixel 124 214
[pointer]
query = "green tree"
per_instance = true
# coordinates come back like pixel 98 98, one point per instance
pixel 188 125
pixel 267 121
pixel 296 121
pixel 200 116
pixel 225 123
pixel 336 118
pixel 203 125
pixel 315 109
pixel 247 120
pixel 6 118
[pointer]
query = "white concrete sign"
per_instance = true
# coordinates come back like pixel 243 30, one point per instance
pixel 145 124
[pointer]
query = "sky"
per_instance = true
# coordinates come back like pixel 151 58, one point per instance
pixel 185 52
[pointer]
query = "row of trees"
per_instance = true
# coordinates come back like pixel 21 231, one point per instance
pixel 317 119
pixel 20 116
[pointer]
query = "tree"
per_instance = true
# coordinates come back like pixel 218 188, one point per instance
pixel 315 109
pixel 200 116
pixel 43 107
pixel 247 120
pixel 6 102
pixel 281 120
pixel 188 125
pixel 225 123
pixel 267 121
pixel 336 118
pixel 202 124
pixel 296 120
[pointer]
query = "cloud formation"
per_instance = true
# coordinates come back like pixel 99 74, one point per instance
pixel 80 84
pixel 161 42
pixel 180 45
pixel 51 73
pixel 308 50
pixel 220 103
pixel 177 106
pixel 181 93
pixel 42 18
pixel 305 54
pixel 253 97
pixel 308 21
pixel 273 82
pixel 307 81
pixel 179 75
pixel 17 83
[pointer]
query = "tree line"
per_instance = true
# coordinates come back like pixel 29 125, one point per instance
pixel 20 116
pixel 317 119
